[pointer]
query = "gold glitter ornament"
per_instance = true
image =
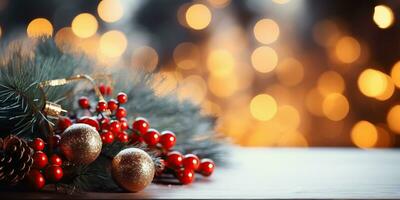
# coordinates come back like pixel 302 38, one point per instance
pixel 133 169
pixel 80 144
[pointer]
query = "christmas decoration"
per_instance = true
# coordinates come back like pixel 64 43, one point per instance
pixel 15 160
pixel 133 169
pixel 80 143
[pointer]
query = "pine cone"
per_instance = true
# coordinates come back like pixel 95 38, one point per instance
pixel 15 160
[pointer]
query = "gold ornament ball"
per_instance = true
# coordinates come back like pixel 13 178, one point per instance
pixel 80 144
pixel 133 169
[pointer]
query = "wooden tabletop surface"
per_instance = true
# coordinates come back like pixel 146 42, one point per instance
pixel 321 173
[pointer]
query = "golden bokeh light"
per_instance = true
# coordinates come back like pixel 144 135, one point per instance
pixel 84 25
pixel 110 10
pixel 347 49
pixel 211 108
pixel 313 101
pixel 198 16
pixel 222 86
pixel 335 107
pixel 192 88
pixel 372 83
pixel 393 118
pixel 290 72
pixel 113 43
pixel 266 31
pixel 395 74
pixel 281 1
pixel 384 138
pixel 287 118
pixel 364 134
pixel 64 38
pixel 145 58
pixel 292 139
pixel 264 59
pixel 326 33
pixel 39 27
pixel 186 55
pixel 383 16
pixel 330 82
pixel 220 62
pixel 389 90
pixel 219 3
pixel 263 107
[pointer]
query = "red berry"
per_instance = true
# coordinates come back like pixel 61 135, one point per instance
pixel 84 102
pixel 191 161
pixel 167 139
pixel 108 90
pixel 136 137
pixel 124 124
pixel 55 139
pixel 115 127
pixel 185 176
pixel 102 88
pixel 151 137
pixel 206 167
pixel 101 106
pixel 89 121
pixel 122 98
pixel 35 179
pixel 104 122
pixel 107 137
pixel 112 104
pixel 174 159
pixel 123 137
pixel 37 144
pixel 55 160
pixel 54 173
pixel 140 124
pixel 120 113
pixel 64 123
pixel 40 160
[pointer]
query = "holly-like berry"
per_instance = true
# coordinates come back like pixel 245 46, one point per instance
pixel 107 137
pixel 135 137
pixel 55 139
pixel 84 102
pixel 174 160
pixel 115 127
pixel 167 139
pixel 185 176
pixel 122 98
pixel 37 144
pixel 101 106
pixel 151 137
pixel 55 160
pixel 104 122
pixel 112 104
pixel 191 161
pixel 108 90
pixel 123 137
pixel 64 123
pixel 54 173
pixel 35 179
pixel 206 167
pixel 103 89
pixel 89 121
pixel 121 112
pixel 40 160
pixel 140 124
pixel 124 124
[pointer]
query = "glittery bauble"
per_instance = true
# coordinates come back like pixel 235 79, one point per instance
pixel 80 144
pixel 133 169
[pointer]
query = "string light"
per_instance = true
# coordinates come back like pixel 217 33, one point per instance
pixel 383 16
pixel 372 83
pixel 263 107
pixel 335 107
pixel 110 10
pixel 264 59
pixel 393 118
pixel 145 57
pixel 39 27
pixel 113 43
pixel 266 31
pixel 347 49
pixel 364 134
pixel 330 82
pixel 198 16
pixel 84 25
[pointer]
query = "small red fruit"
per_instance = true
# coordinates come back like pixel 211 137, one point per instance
pixel 112 104
pixel 101 106
pixel 124 124
pixel 174 160
pixel 140 124
pixel 107 137
pixel 84 102
pixel 108 90
pixel 56 140
pixel 151 137
pixel 35 179
pixel 64 123
pixel 122 98
pixel 168 139
pixel 115 126
pixel 123 137
pixel 37 144
pixel 121 112
pixel 55 160
pixel 54 173
pixel 135 137
pixel 206 167
pixel 104 122
pixel 103 89
pixel 89 121
pixel 40 160
pixel 185 176
pixel 191 161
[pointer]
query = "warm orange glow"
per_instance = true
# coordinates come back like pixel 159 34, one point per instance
pixel 326 33
pixel 145 58
pixel 383 16
pixel 335 106
pixel 219 3
pixel 113 44
pixel 266 31
pixel 364 134
pixel 287 118
pixel 330 82
pixel 290 72
pixel 263 107
pixel 384 138
pixel 39 27
pixel 395 74
pixel 393 119
pixel 372 83
pixel 222 86
pixel 186 55
pixel 389 89
pixel 64 38
pixel 193 88
pixel 347 49
pixel 84 25
pixel 264 59
pixel 165 82
pixel 292 139
pixel 220 62
pixel 211 108
pixel 110 10
pixel 198 16
pixel 314 101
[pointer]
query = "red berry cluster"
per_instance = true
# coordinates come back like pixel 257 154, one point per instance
pixel 50 167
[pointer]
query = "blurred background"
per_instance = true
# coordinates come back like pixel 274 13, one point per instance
pixel 276 72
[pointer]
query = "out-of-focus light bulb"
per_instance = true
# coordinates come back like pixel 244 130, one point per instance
pixel 84 25
pixel 263 107
pixel 264 59
pixel 266 31
pixel 364 134
pixel 39 27
pixel 110 10
pixel 113 43
pixel 198 16
pixel 383 16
